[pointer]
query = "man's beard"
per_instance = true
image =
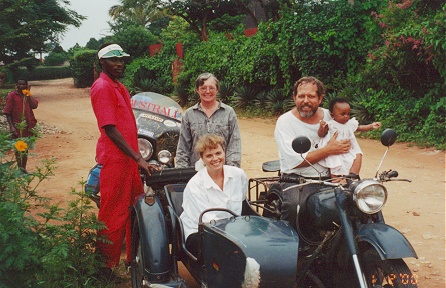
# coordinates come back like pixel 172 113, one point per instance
pixel 306 114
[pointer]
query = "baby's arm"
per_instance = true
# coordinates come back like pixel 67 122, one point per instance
pixel 364 128
pixel 323 128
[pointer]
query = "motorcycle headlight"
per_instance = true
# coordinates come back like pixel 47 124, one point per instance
pixel 370 196
pixel 145 148
pixel 164 156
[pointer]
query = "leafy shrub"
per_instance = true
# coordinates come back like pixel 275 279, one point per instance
pixel 55 59
pixel 150 71
pixel 244 96
pixel 42 244
pixel 44 73
pixel 226 92
pixel 277 102
pixel 84 64
pixel 158 85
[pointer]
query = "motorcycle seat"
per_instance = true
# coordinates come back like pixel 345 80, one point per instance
pixel 271 166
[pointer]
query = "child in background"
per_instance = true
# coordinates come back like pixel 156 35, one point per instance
pixel 19 108
pixel 346 128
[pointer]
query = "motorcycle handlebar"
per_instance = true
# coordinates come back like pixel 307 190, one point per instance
pixel 388 175
pixel 305 182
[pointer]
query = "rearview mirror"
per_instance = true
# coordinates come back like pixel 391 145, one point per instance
pixel 388 137
pixel 301 144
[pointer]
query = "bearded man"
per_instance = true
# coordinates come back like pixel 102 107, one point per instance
pixel 303 120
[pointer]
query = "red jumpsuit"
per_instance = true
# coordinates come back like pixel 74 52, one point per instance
pixel 120 182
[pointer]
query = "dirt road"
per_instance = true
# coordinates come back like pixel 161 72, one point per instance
pixel 417 209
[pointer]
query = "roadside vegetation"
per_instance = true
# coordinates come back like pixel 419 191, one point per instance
pixel 43 244
pixel 386 57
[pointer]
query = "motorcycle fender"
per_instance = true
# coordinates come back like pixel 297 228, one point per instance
pixel 388 242
pixel 153 238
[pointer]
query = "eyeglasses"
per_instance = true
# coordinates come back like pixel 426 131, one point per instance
pixel 204 89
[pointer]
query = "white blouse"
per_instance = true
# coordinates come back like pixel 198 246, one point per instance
pixel 202 193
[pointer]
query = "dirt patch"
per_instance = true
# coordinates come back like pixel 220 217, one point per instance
pixel 417 209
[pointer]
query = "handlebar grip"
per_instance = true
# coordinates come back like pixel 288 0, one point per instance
pixel 291 178
pixel 169 176
pixel 393 174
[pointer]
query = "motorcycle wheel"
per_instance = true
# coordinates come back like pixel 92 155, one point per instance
pixel 137 264
pixel 386 273
pixel 273 204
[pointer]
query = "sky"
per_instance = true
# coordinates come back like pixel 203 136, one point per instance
pixel 95 26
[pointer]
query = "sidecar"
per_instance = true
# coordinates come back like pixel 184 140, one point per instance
pixel 242 251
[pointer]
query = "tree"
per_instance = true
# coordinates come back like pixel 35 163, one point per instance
pixel 198 13
pixel 56 56
pixel 93 44
pixel 140 12
pixel 27 26
pixel 134 39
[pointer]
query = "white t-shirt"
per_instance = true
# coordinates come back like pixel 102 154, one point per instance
pixel 288 127
pixel 202 193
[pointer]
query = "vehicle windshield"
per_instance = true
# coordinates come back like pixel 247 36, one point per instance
pixel 158 104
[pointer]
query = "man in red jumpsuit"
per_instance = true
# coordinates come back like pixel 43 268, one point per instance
pixel 117 151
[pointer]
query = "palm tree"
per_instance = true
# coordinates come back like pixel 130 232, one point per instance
pixel 141 12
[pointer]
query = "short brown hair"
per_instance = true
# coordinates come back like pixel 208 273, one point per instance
pixel 209 141
pixel 205 76
pixel 313 80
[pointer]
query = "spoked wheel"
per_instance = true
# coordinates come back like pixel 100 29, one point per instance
pixel 386 273
pixel 137 266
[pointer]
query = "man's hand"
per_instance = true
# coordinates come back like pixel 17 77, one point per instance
pixel 146 167
pixel 336 147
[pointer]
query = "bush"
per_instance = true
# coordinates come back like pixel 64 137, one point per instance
pixel 150 73
pixel 55 59
pixel 84 64
pixel 42 244
pixel 43 73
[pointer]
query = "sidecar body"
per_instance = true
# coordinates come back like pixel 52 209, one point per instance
pixel 242 251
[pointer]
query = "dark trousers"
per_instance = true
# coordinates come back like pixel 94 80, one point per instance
pixel 294 197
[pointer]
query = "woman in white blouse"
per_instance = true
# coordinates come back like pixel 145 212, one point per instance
pixel 215 186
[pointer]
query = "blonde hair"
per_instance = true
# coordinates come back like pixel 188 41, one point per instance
pixel 209 141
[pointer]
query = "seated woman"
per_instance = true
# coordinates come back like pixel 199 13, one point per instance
pixel 215 186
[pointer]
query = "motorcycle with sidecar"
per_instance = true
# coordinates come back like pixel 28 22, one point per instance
pixel 342 239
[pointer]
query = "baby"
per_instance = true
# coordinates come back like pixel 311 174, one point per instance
pixel 346 128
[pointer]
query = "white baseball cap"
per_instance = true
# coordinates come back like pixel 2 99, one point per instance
pixel 113 50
